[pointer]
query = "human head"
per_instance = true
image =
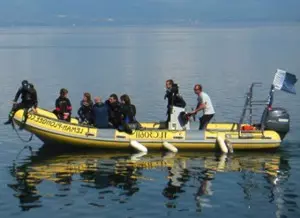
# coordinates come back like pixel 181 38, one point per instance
pixel 113 98
pixel 25 84
pixel 169 83
pixel 87 97
pixel 125 99
pixel 63 92
pixel 197 89
pixel 97 100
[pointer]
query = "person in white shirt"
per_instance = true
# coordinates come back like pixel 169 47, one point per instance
pixel 204 103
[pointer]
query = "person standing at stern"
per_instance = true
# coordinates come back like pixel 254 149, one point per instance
pixel 203 103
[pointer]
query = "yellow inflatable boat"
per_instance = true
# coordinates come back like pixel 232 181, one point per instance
pixel 177 136
pixel 52 130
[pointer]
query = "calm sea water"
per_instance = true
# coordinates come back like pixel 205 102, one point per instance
pixel 44 181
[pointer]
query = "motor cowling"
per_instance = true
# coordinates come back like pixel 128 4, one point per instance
pixel 277 119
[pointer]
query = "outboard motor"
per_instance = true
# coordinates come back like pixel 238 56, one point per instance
pixel 276 119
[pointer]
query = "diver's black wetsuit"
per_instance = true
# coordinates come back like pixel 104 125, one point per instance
pixel 85 112
pixel 128 112
pixel 28 100
pixel 122 117
pixel 114 113
pixel 63 105
pixel 128 116
pixel 174 99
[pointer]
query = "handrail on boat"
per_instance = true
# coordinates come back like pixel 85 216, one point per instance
pixel 249 103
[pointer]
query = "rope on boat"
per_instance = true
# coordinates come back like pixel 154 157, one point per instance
pixel 23 140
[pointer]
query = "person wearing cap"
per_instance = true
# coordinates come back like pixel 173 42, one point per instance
pixel 63 106
pixel 28 100
pixel 203 103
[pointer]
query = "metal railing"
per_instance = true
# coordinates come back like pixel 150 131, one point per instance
pixel 249 105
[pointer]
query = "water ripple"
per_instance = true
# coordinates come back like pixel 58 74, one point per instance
pixel 137 61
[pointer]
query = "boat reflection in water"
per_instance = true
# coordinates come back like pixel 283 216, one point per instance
pixel 123 173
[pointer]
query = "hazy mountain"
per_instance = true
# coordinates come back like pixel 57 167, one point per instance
pixel 94 12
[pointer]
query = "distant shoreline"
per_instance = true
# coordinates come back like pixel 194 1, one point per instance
pixel 218 24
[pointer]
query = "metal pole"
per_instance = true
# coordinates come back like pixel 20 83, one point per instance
pixel 268 107
pixel 244 110
pixel 247 102
pixel 250 101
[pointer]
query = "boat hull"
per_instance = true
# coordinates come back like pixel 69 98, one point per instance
pixel 51 130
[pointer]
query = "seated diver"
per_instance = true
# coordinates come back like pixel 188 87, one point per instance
pixel 173 96
pixel 85 110
pixel 128 111
pixel 100 114
pixel 114 111
pixel 28 100
pixel 63 107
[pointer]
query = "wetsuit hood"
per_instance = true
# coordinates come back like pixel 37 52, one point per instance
pixel 25 85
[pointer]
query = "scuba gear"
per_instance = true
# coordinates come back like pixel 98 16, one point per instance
pixel 29 94
pixel 28 97
pixel 174 98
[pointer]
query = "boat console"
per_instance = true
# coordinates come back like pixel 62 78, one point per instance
pixel 178 120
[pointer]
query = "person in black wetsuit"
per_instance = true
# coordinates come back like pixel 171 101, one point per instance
pixel 28 99
pixel 128 112
pixel 63 107
pixel 114 111
pixel 85 110
pixel 173 96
